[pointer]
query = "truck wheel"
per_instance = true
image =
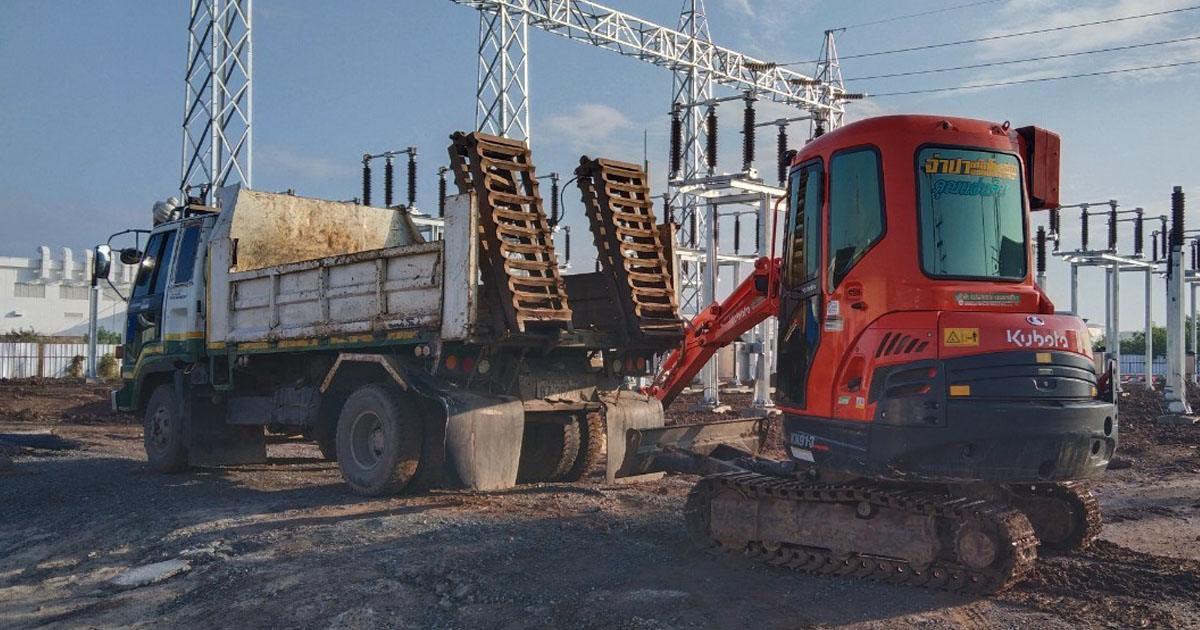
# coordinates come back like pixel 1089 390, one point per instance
pixel 328 448
pixel 548 450
pixel 163 432
pixel 591 446
pixel 378 441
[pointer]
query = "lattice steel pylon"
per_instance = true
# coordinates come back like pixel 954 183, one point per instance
pixel 691 86
pixel 501 98
pixel 831 88
pixel 218 97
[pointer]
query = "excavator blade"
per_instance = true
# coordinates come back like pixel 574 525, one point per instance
pixel 520 269
pixel 652 449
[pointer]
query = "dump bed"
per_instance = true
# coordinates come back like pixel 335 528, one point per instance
pixel 267 286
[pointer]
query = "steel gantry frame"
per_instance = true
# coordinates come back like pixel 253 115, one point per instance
pixel 218 97
pixel 502 91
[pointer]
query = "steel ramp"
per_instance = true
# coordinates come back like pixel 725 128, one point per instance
pixel 517 258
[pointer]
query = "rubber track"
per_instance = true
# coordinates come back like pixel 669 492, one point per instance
pixel 1010 525
pixel 1085 507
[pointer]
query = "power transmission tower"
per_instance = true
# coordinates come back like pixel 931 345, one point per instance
pixel 218 99
pixel 690 87
pixel 830 88
pixel 501 97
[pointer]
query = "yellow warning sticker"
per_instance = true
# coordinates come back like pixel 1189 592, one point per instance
pixel 960 337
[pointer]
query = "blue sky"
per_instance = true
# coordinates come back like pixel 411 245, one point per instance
pixel 91 99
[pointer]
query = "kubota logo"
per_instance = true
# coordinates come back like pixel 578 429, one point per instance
pixel 1035 320
pixel 1037 339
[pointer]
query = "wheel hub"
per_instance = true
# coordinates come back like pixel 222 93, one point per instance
pixel 160 427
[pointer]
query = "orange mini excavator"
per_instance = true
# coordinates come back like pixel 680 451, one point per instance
pixel 937 413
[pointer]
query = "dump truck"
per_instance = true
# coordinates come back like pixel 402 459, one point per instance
pixel 471 361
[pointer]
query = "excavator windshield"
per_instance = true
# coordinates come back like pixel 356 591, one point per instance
pixel 972 214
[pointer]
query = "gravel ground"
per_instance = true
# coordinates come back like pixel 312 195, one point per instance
pixel 285 545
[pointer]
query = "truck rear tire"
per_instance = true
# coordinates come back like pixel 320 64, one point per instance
pixel 162 430
pixel 378 441
pixel 548 451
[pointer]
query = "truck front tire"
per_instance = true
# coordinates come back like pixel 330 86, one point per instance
pixel 378 441
pixel 163 431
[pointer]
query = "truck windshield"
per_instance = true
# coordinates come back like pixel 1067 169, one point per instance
pixel 972 215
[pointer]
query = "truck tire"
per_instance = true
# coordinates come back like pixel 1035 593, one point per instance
pixel 378 441
pixel 328 448
pixel 162 430
pixel 548 451
pixel 591 446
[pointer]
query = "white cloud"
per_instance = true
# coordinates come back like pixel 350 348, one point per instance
pixel 591 127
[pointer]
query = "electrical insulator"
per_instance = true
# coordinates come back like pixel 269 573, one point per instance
pixel 710 144
pixel 737 233
pixel 748 135
pixel 693 227
pixel 676 142
pixel 758 232
pixel 567 243
pixel 1112 228
pixel 412 177
pixel 1154 242
pixel 668 211
pixel 1177 217
pixel 1054 217
pixel 441 192
pixel 1041 251
pixel 366 182
pixel 1138 245
pixel 553 199
pixel 1162 235
pixel 1083 229
pixel 388 176
pixel 782 158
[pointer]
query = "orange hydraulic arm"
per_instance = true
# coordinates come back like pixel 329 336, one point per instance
pixel 753 301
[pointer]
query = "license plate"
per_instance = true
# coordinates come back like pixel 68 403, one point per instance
pixel 547 388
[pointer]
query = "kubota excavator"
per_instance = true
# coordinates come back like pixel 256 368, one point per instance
pixel 936 411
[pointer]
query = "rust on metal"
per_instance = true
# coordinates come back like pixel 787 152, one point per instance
pixel 630 246
pixel 518 262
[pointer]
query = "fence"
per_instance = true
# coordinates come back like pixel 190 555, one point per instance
pixel 1135 365
pixel 24 360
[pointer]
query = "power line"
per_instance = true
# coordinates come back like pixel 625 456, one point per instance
pixel 1025 60
pixel 1038 80
pixel 921 14
pixel 1004 36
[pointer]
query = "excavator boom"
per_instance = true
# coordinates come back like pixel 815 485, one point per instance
pixel 754 300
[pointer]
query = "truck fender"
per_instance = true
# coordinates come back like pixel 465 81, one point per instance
pixel 389 365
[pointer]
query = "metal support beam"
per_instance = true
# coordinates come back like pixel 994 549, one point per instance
pixel 501 94
pixel 1150 328
pixel 218 97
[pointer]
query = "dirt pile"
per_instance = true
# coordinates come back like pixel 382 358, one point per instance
pixel 48 401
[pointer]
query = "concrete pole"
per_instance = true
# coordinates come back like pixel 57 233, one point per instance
pixel 708 375
pixel 1075 289
pixel 93 320
pixel 1108 319
pixel 1149 329
pixel 1116 320
pixel 1194 354
pixel 762 368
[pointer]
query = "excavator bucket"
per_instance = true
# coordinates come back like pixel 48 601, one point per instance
pixel 630 249
pixel 520 269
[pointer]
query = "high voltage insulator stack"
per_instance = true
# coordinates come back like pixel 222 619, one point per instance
pixel 710 145
pixel 389 176
pixel 748 134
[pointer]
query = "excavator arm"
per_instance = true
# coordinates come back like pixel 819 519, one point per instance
pixel 753 301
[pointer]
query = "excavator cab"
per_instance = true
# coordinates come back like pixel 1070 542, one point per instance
pixel 913 342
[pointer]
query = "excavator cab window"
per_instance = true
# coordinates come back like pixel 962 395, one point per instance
pixel 972 214
pixel 856 220
pixel 801 298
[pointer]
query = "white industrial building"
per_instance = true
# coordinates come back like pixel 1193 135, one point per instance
pixel 50 295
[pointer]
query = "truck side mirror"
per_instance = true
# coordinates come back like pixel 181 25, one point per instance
pixel 131 256
pixel 102 262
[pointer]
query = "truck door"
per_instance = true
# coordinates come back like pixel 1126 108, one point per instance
pixel 143 326
pixel 801 298
pixel 183 326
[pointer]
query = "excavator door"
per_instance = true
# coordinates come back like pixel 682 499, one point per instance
pixel 802 316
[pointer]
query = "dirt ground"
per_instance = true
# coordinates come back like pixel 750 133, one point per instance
pixel 284 545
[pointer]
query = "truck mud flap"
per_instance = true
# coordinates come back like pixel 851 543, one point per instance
pixel 626 411
pixel 654 449
pixel 476 444
pixel 211 441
